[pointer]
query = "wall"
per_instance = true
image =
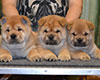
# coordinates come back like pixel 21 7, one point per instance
pixel 0 8
pixel 91 12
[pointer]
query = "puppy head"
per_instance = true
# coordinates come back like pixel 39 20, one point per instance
pixel 15 28
pixel 52 29
pixel 80 33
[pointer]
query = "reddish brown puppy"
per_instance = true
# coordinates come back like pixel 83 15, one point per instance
pixel 80 40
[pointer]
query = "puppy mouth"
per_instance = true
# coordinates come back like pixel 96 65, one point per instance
pixel 51 42
pixel 14 41
pixel 79 44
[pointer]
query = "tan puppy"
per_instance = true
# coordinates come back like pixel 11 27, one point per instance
pixel 80 40
pixel 52 38
pixel 17 39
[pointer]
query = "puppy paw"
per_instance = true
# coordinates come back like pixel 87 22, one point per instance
pixel 5 58
pixel 85 57
pixel 64 55
pixel 50 57
pixel 47 54
pixel 81 56
pixel 97 54
pixel 34 56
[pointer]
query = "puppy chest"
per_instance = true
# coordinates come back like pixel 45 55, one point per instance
pixel 18 53
pixel 55 50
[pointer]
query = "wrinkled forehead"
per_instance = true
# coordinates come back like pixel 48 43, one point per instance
pixel 80 27
pixel 13 25
pixel 52 25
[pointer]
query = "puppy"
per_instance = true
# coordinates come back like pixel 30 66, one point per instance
pixel 80 40
pixel 52 38
pixel 17 39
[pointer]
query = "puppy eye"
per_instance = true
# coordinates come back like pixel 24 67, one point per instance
pixel 86 34
pixel 45 31
pixel 19 29
pixel 73 34
pixel 57 31
pixel 8 30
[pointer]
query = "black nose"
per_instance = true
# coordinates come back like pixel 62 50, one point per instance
pixel 51 37
pixel 13 36
pixel 79 40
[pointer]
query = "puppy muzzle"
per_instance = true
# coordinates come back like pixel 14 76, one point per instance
pixel 51 42
pixel 51 37
pixel 13 39
pixel 77 44
pixel 13 36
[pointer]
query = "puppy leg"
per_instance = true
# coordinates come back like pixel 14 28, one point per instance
pixel 97 53
pixel 5 55
pixel 47 54
pixel 64 55
pixel 80 55
pixel 34 55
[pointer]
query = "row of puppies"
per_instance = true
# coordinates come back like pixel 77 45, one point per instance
pixel 51 42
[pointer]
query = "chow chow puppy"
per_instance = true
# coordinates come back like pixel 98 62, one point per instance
pixel 80 40
pixel 52 38
pixel 17 39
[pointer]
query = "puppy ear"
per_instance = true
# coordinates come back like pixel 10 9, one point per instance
pixel 25 20
pixel 90 25
pixel 3 21
pixel 42 21
pixel 63 22
pixel 69 25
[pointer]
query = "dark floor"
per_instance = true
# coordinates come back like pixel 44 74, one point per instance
pixel 42 77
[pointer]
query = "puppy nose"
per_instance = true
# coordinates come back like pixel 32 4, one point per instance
pixel 13 36
pixel 51 37
pixel 79 40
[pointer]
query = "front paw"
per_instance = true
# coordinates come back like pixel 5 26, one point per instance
pixel 47 54
pixel 97 54
pixel 85 57
pixel 50 57
pixel 65 57
pixel 81 56
pixel 34 56
pixel 5 58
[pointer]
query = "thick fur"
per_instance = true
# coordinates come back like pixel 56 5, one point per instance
pixel 52 38
pixel 17 40
pixel 81 40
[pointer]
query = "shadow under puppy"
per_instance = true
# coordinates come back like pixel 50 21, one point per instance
pixel 17 39
pixel 52 38
pixel 80 40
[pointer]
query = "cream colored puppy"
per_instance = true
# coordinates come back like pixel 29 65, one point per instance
pixel 18 40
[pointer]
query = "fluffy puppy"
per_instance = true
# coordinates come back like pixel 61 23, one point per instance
pixel 80 40
pixel 17 39
pixel 52 38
